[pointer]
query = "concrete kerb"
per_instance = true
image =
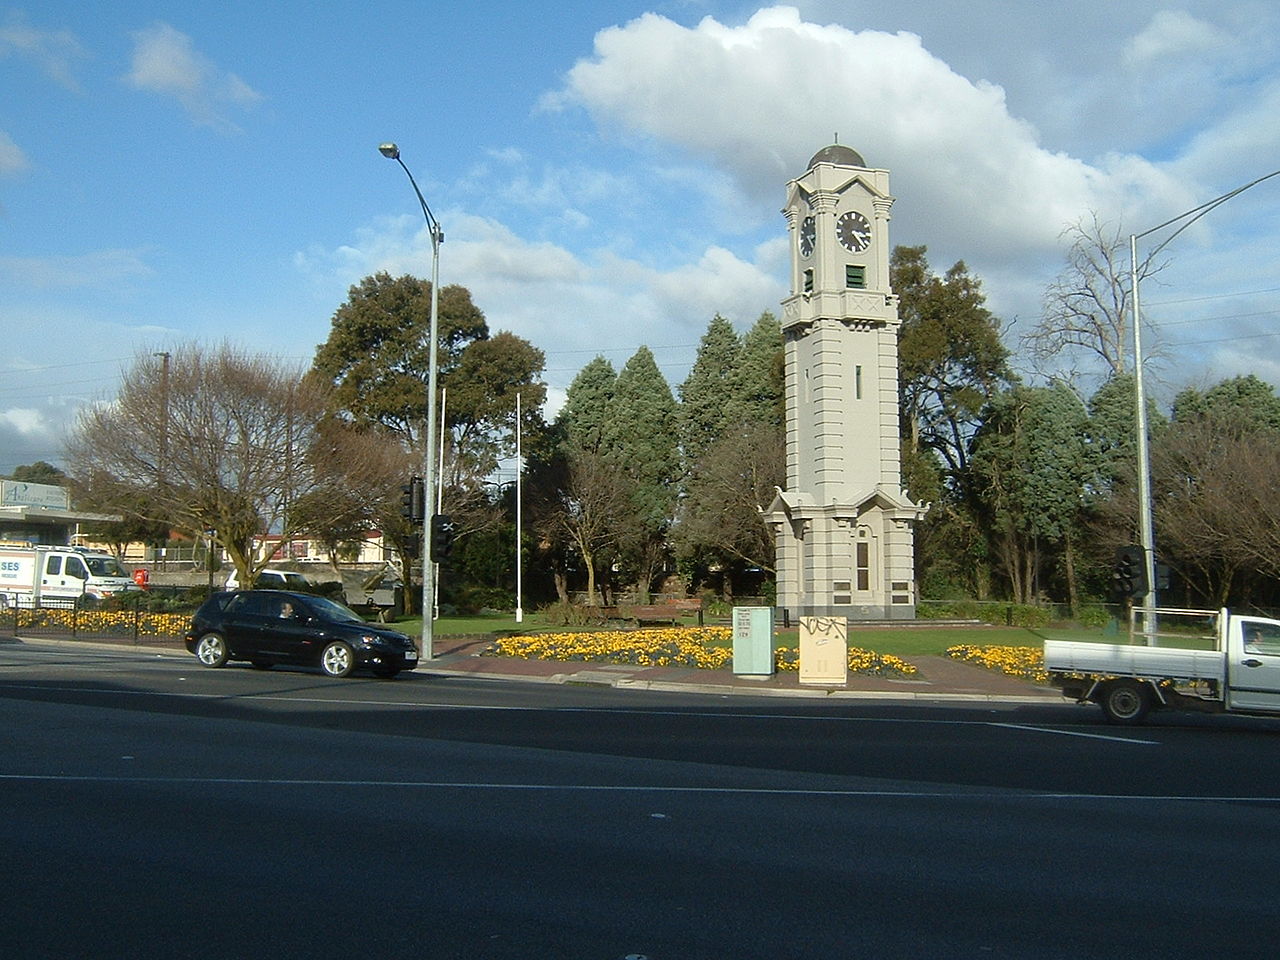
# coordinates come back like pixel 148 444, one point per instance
pixel 619 679
pixel 618 676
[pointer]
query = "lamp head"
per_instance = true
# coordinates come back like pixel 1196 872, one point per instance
pixel 390 151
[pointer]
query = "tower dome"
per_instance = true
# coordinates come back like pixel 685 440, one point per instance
pixel 838 153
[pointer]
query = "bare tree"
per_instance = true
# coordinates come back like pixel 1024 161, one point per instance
pixel 1217 518
pixel 1087 309
pixel 218 440
pixel 594 503
pixel 727 490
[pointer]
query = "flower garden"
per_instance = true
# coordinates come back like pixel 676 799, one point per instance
pixel 1026 663
pixel 707 648
pixel 111 623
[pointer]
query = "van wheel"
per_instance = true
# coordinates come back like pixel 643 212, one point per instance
pixel 1125 702
pixel 212 650
pixel 338 659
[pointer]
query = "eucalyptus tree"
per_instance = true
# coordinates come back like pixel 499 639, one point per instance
pixel 1027 475
pixel 376 360
pixel 951 362
pixel 376 354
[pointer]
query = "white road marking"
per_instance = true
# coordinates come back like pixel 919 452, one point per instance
pixel 642 788
pixel 1075 733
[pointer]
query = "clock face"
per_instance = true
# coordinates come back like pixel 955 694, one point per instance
pixel 808 236
pixel 853 231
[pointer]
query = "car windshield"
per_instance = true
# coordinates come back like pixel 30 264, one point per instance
pixel 333 611
pixel 104 567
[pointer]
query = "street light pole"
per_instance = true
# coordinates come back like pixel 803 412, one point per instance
pixel 519 521
pixel 391 151
pixel 1146 518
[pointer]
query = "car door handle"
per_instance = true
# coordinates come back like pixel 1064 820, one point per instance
pixel 1251 663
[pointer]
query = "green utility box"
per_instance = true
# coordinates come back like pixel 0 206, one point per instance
pixel 753 641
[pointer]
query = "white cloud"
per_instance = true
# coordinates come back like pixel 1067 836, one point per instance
pixel 99 268
pixel 12 159
pixel 24 421
pixel 55 51
pixel 1172 34
pixel 166 62
pixel 757 99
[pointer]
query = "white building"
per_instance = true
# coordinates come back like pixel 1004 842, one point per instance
pixel 844 525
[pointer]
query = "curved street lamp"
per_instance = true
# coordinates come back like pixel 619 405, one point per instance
pixel 430 480
pixel 1146 510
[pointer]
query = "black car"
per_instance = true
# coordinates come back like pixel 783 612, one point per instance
pixel 266 627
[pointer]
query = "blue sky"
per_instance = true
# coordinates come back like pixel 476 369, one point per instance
pixel 607 174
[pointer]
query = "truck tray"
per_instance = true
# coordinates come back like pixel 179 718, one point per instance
pixel 1126 660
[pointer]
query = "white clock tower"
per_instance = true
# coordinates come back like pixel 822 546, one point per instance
pixel 844 525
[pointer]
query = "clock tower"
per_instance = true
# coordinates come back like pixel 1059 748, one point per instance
pixel 844 525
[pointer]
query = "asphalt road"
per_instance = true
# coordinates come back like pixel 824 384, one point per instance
pixel 154 808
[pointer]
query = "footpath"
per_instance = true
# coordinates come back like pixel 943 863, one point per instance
pixel 938 679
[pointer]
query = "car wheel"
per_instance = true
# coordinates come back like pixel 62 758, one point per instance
pixel 338 659
pixel 1125 701
pixel 212 650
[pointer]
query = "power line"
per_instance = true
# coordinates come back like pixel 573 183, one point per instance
pixel 1216 296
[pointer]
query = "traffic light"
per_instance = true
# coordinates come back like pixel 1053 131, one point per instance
pixel 1129 579
pixel 442 534
pixel 413 500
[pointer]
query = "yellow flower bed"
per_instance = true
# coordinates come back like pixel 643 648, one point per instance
pixel 1026 663
pixel 111 622
pixel 707 648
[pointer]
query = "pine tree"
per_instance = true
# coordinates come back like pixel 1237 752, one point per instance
pixel 757 378
pixel 640 440
pixel 707 393
pixel 587 405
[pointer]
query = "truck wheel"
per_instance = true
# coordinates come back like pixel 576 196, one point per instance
pixel 1125 701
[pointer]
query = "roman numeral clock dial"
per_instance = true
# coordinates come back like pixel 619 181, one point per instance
pixel 853 231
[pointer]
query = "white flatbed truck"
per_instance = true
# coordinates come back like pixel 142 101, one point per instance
pixel 1214 661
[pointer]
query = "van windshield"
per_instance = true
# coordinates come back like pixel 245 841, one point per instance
pixel 104 566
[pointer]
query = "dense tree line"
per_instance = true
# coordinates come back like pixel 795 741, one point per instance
pixel 635 486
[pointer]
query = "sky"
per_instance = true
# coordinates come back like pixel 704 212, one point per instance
pixel 608 174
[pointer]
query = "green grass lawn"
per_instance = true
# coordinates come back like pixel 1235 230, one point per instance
pixel 898 641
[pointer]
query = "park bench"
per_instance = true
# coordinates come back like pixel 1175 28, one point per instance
pixel 669 612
